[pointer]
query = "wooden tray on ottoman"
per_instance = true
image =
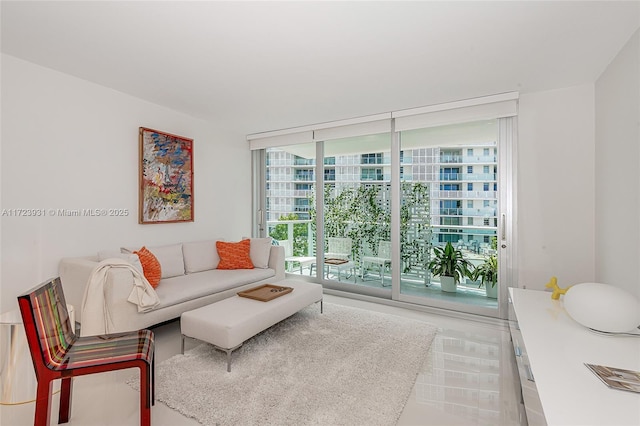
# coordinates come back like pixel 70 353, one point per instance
pixel 265 292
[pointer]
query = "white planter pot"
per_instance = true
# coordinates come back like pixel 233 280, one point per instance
pixel 448 284
pixel 492 292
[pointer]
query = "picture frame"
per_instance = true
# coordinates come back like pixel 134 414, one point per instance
pixel 165 177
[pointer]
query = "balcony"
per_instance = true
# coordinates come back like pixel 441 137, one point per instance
pixel 304 178
pixel 299 161
pixel 479 177
pixel 289 193
pixel 480 212
pixel 481 159
pixel 447 211
pixel 450 176
pixel 449 159
pixel 481 195
pixel 415 281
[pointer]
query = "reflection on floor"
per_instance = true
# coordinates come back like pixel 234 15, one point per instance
pixel 467 379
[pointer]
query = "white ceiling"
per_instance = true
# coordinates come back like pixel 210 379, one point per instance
pixel 258 66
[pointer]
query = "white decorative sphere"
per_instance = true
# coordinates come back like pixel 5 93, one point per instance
pixel 603 307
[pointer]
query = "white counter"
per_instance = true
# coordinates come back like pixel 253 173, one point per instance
pixel 557 348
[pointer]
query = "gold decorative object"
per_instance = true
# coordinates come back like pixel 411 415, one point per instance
pixel 557 291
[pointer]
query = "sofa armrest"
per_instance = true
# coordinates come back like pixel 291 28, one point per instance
pixel 117 289
pixel 276 261
pixel 74 273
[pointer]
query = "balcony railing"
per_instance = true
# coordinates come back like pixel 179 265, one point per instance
pixel 480 212
pixel 304 178
pixel 483 195
pixel 289 193
pixel 304 162
pixel 448 159
pixel 446 211
pixel 450 176
pixel 485 177
pixel 487 159
pixel 297 250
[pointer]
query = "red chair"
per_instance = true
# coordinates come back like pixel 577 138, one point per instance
pixel 57 352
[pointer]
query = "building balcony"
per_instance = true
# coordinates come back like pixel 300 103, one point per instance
pixel 304 162
pixel 290 193
pixel 451 159
pixel 446 211
pixel 479 177
pixel 480 212
pixel 450 177
pixel 460 195
pixel 481 159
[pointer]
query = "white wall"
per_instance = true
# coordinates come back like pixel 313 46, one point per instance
pixel 68 143
pixel 556 223
pixel 617 170
pixel 71 144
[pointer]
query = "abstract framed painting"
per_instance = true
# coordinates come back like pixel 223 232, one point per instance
pixel 166 177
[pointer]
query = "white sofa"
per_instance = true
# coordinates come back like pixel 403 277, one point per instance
pixel 189 280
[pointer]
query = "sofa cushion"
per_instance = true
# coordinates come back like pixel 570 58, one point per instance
pixel 176 290
pixel 150 266
pixel 200 256
pixel 260 251
pixel 234 255
pixel 170 258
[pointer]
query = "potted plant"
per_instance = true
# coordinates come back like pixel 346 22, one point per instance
pixel 488 273
pixel 450 265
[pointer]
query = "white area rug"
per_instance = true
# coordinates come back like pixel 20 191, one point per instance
pixel 347 366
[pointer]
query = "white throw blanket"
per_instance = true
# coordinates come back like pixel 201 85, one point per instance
pixel 96 317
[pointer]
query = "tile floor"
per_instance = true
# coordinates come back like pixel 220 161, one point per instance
pixel 468 379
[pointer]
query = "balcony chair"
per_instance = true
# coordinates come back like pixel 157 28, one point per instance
pixel 338 248
pixel 58 353
pixel 289 258
pixel 382 259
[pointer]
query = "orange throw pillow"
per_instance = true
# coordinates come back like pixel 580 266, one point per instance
pixel 150 266
pixel 234 255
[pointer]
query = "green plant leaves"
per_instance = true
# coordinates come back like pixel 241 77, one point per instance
pixel 487 271
pixel 450 262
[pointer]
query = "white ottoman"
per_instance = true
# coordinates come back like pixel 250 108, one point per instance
pixel 228 323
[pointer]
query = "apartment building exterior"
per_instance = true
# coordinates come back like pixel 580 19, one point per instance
pixel 462 183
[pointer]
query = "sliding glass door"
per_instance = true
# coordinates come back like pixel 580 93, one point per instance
pixel 452 170
pixel 367 205
pixel 357 211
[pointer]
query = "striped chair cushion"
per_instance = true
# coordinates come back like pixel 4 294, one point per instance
pixel 96 350
pixel 52 322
